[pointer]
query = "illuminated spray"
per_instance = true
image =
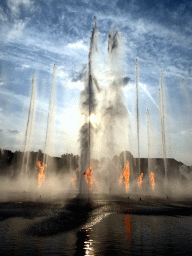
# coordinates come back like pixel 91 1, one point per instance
pixel 152 179
pixel 140 181
pixel 41 175
pixel 89 178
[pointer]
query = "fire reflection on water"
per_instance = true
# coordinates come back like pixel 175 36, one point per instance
pixel 127 220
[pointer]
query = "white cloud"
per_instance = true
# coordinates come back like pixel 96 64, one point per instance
pixel 78 45
pixel 75 85
pixel 14 5
pixel 61 73
pixel 3 16
pixel 16 30
pixel 64 76
pixel 13 28
pixel 23 66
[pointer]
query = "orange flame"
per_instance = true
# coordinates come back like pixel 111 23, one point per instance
pixel 152 179
pixel 126 175
pixel 74 177
pixel 140 181
pixel 41 175
pixel 89 178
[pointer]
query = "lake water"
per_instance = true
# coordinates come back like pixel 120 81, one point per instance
pixel 108 229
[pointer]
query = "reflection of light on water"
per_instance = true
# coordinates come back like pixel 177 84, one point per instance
pixel 88 243
pixel 127 220
pixel 94 219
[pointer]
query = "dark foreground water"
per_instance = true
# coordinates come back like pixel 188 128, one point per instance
pixel 111 227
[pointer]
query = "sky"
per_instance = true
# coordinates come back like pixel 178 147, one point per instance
pixel 35 34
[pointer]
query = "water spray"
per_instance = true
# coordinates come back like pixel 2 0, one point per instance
pixel 148 139
pixel 137 107
pixel 162 112
pixel 29 128
pixel 88 107
pixel 51 115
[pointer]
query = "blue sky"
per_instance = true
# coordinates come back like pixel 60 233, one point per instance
pixel 34 34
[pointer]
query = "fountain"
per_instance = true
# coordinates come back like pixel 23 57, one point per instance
pixel 76 221
pixel 106 113
pixel 148 138
pixel 51 118
pixel 103 113
pixel 162 113
pixel 137 107
pixel 29 128
pixel 88 106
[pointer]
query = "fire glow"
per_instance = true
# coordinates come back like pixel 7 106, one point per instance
pixel 152 179
pixel 126 175
pixel 41 175
pixel 88 177
pixel 140 181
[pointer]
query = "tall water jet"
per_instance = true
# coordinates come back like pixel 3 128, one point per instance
pixel 137 107
pixel 150 174
pixel 29 128
pixel 148 138
pixel 114 110
pixel 51 117
pixel 162 113
pixel 88 105
pixel 108 113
